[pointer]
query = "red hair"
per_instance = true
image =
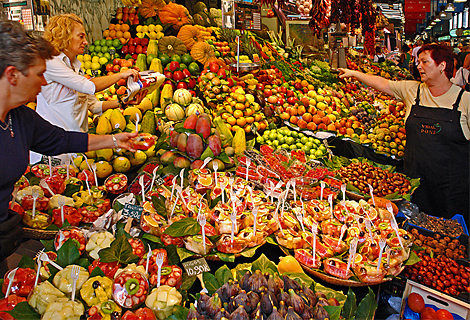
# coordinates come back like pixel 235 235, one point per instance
pixel 440 53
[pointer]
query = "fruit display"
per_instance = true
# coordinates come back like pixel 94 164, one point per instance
pixel 130 289
pixel 439 245
pixel 162 299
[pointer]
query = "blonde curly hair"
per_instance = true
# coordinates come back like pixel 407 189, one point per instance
pixel 59 30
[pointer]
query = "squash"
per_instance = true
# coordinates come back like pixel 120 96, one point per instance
pixel 174 112
pixel 150 8
pixel 171 45
pixel 174 14
pixel 190 35
pixel 182 96
pixel 202 51
pixel 194 108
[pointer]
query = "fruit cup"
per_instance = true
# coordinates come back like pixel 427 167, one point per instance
pixel 76 234
pixel 130 288
pixel 116 183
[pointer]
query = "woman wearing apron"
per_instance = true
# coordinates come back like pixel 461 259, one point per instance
pixel 68 95
pixel 437 131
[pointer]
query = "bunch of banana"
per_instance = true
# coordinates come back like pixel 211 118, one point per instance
pixel 132 3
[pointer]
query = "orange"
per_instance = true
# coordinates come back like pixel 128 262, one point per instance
pixel 250 120
pixel 106 33
pixel 316 119
pixel 233 103
pixel 248 112
pixel 258 117
pixel 123 41
pixel 321 113
pixel 229 109
pixel 285 116
pixel 228 126
pixel 302 123
pixel 247 128
pixel 239 106
pixel 349 131
pixel 307 117
pixel 292 111
pixel 241 121
pixel 121 90
pixel 241 98
pixel 111 26
pixel 126 35
pixel 109 38
pixel 112 33
pixel 238 113
pixel 304 83
pixel 231 120
pixel 301 110
pixel 262 125
pixel 235 128
pixel 310 87
pixel 117 27
pixel 326 120
pixel 225 115
pixel 331 127
pixel 119 34
pixel 293 119
pixel 311 126
pixel 125 27
pixel 322 126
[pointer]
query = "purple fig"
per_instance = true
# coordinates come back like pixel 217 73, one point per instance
pixel 320 313
pixel 257 281
pixel 283 296
pixel 228 290
pixel 292 315
pixel 272 285
pixel 268 301
pixel 291 284
pixel 296 302
pixel 311 296
pixel 228 306
pixel 257 314
pixel 192 314
pixel 222 292
pixel 233 288
pixel 275 315
pixel 222 314
pixel 253 299
pixel 280 283
pixel 319 295
pixel 213 305
pixel 240 300
pixel 322 302
pixel 239 314
pixel 244 281
pixel 308 313
pixel 202 303
pixel 282 309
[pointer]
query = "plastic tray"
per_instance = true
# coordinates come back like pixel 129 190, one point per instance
pixel 457 217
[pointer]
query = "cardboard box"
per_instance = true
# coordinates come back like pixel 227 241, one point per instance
pixel 436 300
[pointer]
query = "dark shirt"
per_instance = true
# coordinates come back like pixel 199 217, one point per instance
pixel 31 133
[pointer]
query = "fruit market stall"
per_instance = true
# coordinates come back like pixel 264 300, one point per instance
pixel 277 191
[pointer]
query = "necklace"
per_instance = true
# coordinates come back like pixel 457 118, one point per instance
pixel 9 125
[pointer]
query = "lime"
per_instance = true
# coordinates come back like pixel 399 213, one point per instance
pixel 318 154
pixel 103 42
pixel 100 54
pixel 183 66
pixel 290 140
pixel 260 139
pixel 111 48
pixel 306 149
pixel 311 139
pixel 104 49
pixel 97 48
pixel 285 146
pixel 272 136
pixel 322 148
pixel 267 132
pixel 276 143
pixel 269 143
pixel 312 151
pixel 299 145
pixel 312 156
pixel 301 135
pixel 217 54
pixel 107 56
pixel 109 43
pixel 309 144
pixel 97 43
pixel 295 134
pixel 288 133
pixel 317 142
pixel 304 140
pixel 293 147
pixel 91 48
pixel 176 57
pixel 281 139
pixel 116 43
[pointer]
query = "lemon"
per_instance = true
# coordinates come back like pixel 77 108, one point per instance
pixel 102 60
pixel 153 35
pixel 160 35
pixel 106 154
pixel 150 152
pixel 140 35
pixel 121 164
pixel 289 264
pixel 132 111
pixel 78 161
pixel 145 28
pixel 86 57
pixel 95 65
pixel 103 169
pixel 84 164
pixel 137 158
pixel 151 27
pixel 95 59
pixel 90 154
pixel 158 28
pixel 87 65
pixel 138 28
pixel 80 57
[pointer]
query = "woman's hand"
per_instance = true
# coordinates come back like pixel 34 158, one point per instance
pixel 345 73
pixel 122 140
pixel 130 73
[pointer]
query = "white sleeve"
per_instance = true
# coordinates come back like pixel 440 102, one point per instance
pixel 57 71
pixel 376 58
pixel 94 105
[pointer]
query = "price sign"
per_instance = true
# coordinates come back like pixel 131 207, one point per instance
pixel 132 211
pixel 196 267
pixel 54 161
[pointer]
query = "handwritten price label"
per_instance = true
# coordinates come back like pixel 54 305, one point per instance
pixel 54 161
pixel 132 211
pixel 195 267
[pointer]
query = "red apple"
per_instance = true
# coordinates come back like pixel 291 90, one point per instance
pixel 131 49
pixel 116 68
pixel 182 85
pixel 109 67
pixel 144 42
pixel 138 49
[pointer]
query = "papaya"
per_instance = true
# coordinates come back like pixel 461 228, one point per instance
pixel 156 65
pixel 104 126
pixel 152 47
pixel 226 136
pixel 166 95
pixel 117 120
pixel 239 141
pixel 141 62
pixel 148 123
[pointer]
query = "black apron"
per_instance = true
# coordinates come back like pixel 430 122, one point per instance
pixel 438 153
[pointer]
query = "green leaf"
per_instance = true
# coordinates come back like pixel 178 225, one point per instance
pixel 179 313
pixel 271 240
pixel 172 254
pixel 152 238
pixel 226 257
pixel 159 205
pixel 249 252
pixel 367 307
pixel 27 262
pixel 330 293
pixel 207 154
pixel 121 232
pixel 48 245
pixel 350 305
pixel 68 253
pixel 250 144
pixel 84 262
pixel 210 282
pixel 412 259
pixel 70 189
pixel 161 141
pixel 187 281
pixel 223 275
pixel 183 227
pixel 24 311
pixel 300 276
pixel 263 264
pixel 97 272
pixel 333 311
pixel 184 253
pixel 120 250
pixel 224 157
pixel 2 295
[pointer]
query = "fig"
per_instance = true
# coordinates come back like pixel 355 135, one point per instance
pixel 272 286
pixel 290 284
pixel 240 300
pixel 308 313
pixel 192 314
pixel 190 122
pixel 257 314
pixel 257 281
pixel 222 314
pixel 292 315
pixel 268 301
pixel 283 296
pixel 275 315
pixel 322 302
pixel 182 142
pixel 320 313
pixel 319 295
pixel 239 314
pixel 215 145
pixel 203 126
pixel 282 309
pixel 296 302
pixel 310 294
pixel 195 146
pixel 213 305
pixel 202 303
pixel 244 281
pixel 233 288
pixel 253 300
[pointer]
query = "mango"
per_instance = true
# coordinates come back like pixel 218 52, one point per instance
pixel 203 126
pixel 117 120
pixel 215 144
pixel 182 142
pixel 181 162
pixel 194 146
pixel 221 165
pixel 104 126
pixel 174 138
pixel 190 122
pixel 168 157
pixel 196 164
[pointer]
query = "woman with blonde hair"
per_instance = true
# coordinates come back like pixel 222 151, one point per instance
pixel 69 95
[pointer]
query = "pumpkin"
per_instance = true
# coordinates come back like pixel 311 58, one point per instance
pixel 150 8
pixel 174 14
pixel 182 96
pixel 174 112
pixel 194 108
pixel 190 35
pixel 171 45
pixel 202 51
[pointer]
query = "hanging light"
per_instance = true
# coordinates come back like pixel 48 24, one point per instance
pixel 443 13
pixel 450 6
pixel 460 1
pixel 436 18
pixel 433 23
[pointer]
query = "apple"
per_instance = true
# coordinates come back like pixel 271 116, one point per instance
pixel 298 85
pixel 125 50
pixel 260 86
pixel 174 65
pixel 138 49
pixel 168 75
pixel 131 49
pixel 182 85
pixel 178 76
pixel 289 93
pixel 134 56
pixel 116 68
pixel 116 61
pixel 109 67
pixel 144 50
pixel 136 41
